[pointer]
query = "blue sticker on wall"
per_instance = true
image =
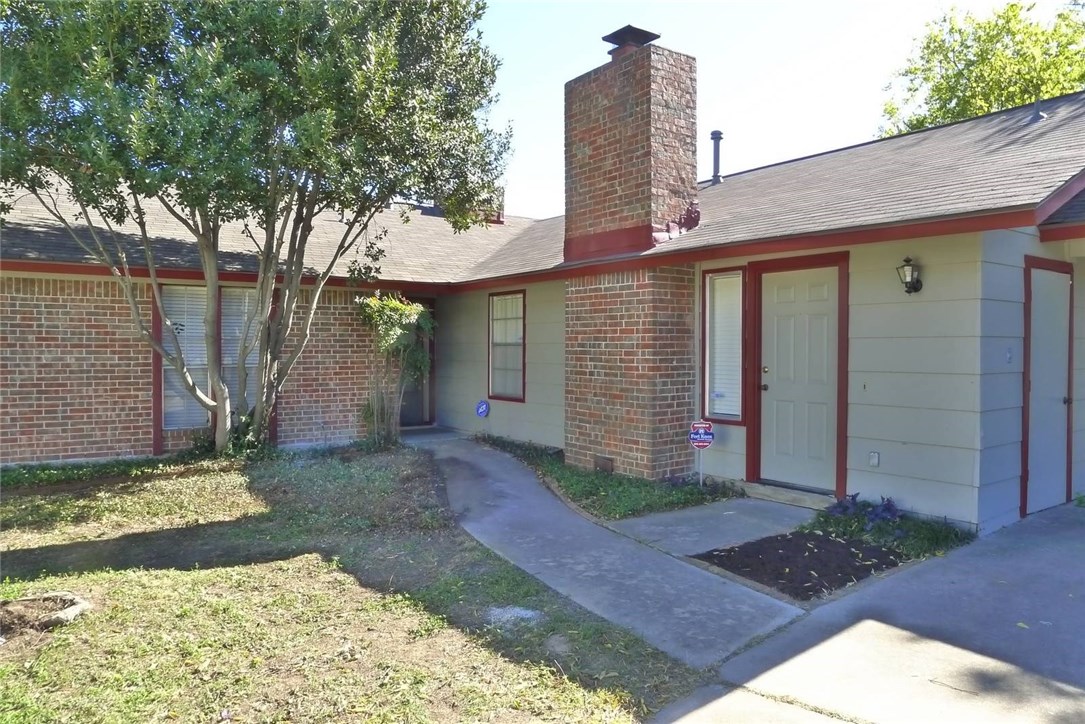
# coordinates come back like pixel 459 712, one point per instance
pixel 482 409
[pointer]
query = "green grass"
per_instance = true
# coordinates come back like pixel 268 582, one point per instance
pixel 607 495
pixel 909 536
pixel 1079 500
pixel 132 468
pixel 304 588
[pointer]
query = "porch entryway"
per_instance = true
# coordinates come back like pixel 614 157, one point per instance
pixel 419 399
pixel 796 375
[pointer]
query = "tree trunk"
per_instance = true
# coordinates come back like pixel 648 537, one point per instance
pixel 221 415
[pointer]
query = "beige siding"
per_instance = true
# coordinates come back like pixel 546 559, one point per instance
pixel 1002 369
pixel 914 382
pixel 461 366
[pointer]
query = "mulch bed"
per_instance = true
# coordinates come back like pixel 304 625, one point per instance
pixel 803 565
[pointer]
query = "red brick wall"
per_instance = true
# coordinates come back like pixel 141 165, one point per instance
pixel 673 134
pixel 630 144
pixel 630 370
pixel 321 402
pixel 75 380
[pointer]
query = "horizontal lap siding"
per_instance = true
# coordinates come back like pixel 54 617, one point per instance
pixel 1002 368
pixel 914 376
pixel 461 373
pixel 75 379
pixel 914 382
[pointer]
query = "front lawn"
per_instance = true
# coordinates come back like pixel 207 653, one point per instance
pixel 607 495
pixel 329 587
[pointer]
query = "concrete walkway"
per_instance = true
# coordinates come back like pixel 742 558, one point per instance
pixel 993 632
pixel 722 524
pixel 693 615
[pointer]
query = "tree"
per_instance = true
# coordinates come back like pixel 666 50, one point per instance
pixel 401 331
pixel 966 67
pixel 237 112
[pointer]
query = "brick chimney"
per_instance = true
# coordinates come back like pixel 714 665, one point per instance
pixel 630 147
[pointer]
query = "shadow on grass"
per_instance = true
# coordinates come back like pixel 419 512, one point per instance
pixel 227 543
pixel 393 534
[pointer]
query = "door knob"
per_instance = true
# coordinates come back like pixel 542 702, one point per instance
pixel 764 386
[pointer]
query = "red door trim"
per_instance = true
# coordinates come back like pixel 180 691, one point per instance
pixel 1060 267
pixel 430 416
pixel 757 270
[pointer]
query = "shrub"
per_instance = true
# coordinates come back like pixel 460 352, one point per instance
pixel 883 524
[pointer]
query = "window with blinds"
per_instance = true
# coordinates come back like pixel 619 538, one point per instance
pixel 723 325
pixel 507 346
pixel 237 306
pixel 185 308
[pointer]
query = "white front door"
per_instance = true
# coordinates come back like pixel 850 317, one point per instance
pixel 1048 387
pixel 798 377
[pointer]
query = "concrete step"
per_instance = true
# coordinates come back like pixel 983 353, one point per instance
pixel 801 498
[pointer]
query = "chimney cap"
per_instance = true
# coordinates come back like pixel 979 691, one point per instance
pixel 630 35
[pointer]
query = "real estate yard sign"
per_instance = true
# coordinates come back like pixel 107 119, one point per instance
pixel 701 437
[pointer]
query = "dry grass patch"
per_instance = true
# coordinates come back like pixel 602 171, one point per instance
pixel 294 640
pixel 213 490
pixel 322 588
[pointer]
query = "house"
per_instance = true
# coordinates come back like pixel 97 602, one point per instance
pixel 769 302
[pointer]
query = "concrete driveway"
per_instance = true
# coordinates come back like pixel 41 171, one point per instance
pixel 993 632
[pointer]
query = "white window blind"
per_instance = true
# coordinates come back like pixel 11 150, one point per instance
pixel 723 384
pixel 237 307
pixel 185 308
pixel 507 346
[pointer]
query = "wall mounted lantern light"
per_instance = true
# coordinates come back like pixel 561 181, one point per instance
pixel 909 276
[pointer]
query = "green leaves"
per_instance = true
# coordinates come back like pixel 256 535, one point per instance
pixel 966 67
pixel 268 113
pixel 212 99
pixel 399 327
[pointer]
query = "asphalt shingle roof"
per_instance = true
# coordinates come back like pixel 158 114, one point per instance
pixel 424 249
pixel 1003 161
pixel 1072 212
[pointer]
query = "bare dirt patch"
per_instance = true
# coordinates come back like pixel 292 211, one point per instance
pixel 803 565
pixel 17 617
pixel 39 613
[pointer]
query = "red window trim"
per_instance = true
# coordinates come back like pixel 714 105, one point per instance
pixel 158 407
pixel 522 293
pixel 740 421
pixel 158 393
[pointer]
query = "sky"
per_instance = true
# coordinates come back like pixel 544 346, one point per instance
pixel 781 79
